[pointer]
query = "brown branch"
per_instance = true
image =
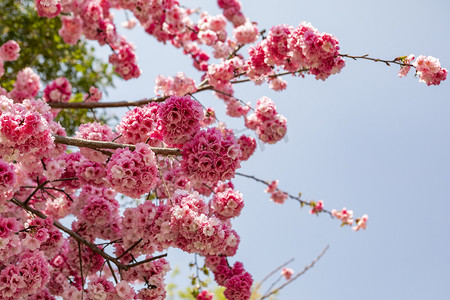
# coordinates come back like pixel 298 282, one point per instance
pixel 298 275
pixel 397 60
pixel 109 145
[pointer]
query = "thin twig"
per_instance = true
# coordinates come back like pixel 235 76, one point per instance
pixel 273 272
pixel 302 202
pixel 397 60
pixel 298 275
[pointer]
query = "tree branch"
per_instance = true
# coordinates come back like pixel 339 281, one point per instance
pixel 109 145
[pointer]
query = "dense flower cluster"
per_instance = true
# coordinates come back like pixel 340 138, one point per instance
pixel 71 29
pixel 59 90
pixel 48 8
pixel 180 119
pixel 140 125
pixel 9 51
pixel 26 86
pixel 182 223
pixel 211 156
pixel 133 173
pixel 247 145
pixel 236 280
pixel 26 130
pixel 227 204
pixel 295 49
pixel 429 70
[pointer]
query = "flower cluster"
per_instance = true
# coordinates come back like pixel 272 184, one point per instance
pixel 232 11
pixel 48 8
pixel 346 216
pixel 211 156
pixel 183 224
pixel 316 207
pixel 98 209
pixel 59 90
pixel 227 204
pixel 180 119
pixel 124 62
pixel 26 130
pixel 179 85
pixel 219 75
pixel 133 173
pixel 429 70
pixel 246 33
pixel 140 125
pixel 71 29
pixel 247 145
pixel 26 86
pixel 29 275
pixel 236 280
pixel 302 48
pixel 9 51
pixel 269 125
pixel 94 95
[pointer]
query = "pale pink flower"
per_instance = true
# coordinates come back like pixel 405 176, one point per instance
pixel 287 273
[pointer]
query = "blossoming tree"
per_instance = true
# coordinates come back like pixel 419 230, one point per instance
pixel 169 152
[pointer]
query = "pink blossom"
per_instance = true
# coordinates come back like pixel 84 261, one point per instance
pixel 141 125
pixel 287 273
pixel 361 223
pixel 247 145
pixel 94 95
pixel 344 215
pixel 9 51
pixel 317 207
pixel 205 295
pixel 246 33
pixel 48 8
pixel 71 29
pixel 279 197
pixel 59 90
pixel 227 204
pixel 180 119
pixel 211 156
pixel 405 69
pixel 429 70
pixel 133 173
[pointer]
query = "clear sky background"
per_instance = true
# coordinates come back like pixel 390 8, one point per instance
pixel 364 139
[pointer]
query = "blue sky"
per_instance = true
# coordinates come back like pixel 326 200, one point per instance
pixel 364 139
